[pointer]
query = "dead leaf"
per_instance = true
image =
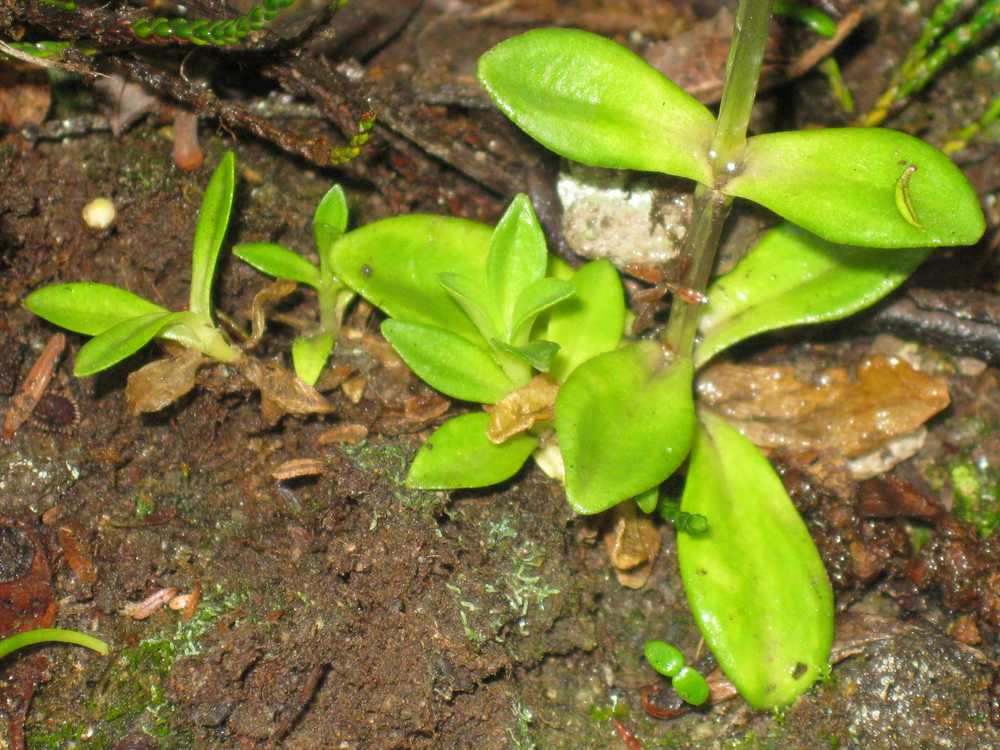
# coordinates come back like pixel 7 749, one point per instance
pixel 163 381
pixel 280 391
pixel 26 600
pixel 633 542
pixel 834 413
pixel 262 304
pixel 129 101
pixel 519 410
pixel 343 433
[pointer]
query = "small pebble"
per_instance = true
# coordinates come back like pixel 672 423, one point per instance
pixel 99 213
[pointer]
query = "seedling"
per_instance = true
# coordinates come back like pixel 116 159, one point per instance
pixel 688 682
pixel 311 351
pixel 626 419
pixel 485 317
pixel 51 635
pixel 122 322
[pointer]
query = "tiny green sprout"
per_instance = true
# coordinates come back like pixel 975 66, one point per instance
pixel 121 322
pixel 51 635
pixel 311 351
pixel 688 682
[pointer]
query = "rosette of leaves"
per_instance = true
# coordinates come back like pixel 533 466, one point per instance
pixel 311 351
pixel 482 316
pixel 626 419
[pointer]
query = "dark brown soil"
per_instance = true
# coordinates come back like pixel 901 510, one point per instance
pixel 346 611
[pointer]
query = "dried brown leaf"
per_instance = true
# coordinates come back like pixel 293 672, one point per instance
pixel 633 542
pixel 25 96
pixel 834 413
pixel 162 381
pixel 519 410
pixel 280 391
pixel 262 304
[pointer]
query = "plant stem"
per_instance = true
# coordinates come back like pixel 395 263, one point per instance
pixel 711 207
pixel 45 635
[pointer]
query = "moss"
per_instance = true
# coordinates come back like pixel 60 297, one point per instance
pixel 977 494
pixel 391 461
pixel 132 692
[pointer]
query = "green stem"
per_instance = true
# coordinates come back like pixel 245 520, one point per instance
pixel 712 207
pixel 742 72
pixel 46 635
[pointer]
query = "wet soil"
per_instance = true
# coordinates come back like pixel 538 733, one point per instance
pixel 343 610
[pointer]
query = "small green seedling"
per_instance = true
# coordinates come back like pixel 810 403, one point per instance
pixel 626 419
pixel 479 314
pixel 311 351
pixel 51 635
pixel 121 323
pixel 688 682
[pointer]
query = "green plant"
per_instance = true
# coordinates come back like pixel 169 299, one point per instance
pixel 688 682
pixel 478 315
pixel 625 419
pixel 51 635
pixel 310 352
pixel 121 323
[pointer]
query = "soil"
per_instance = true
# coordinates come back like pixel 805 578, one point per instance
pixel 344 610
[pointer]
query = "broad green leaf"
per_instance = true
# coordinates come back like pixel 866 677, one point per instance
pixel 624 422
pixel 590 322
pixel 861 186
pixel 309 356
pixel 213 221
pixel 471 297
pixel 754 580
pixel 516 260
pixel 596 102
pixel 330 221
pixel 89 308
pixel 538 354
pixel 534 300
pixel 278 261
pixel 120 341
pixel 459 454
pixel 395 264
pixel 791 277
pixel 447 362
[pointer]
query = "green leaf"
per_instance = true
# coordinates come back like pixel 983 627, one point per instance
pixel 89 308
pixel 534 300
pixel 395 264
pixel 278 261
pixel 213 220
pixel 590 322
pixel 624 422
pixel 596 102
pixel 471 297
pixel 754 580
pixel 791 277
pixel 459 454
pixel 664 657
pixel 448 362
pixel 861 186
pixel 648 500
pixel 516 260
pixel 330 221
pixel 309 355
pixel 691 686
pixel 538 354
pixel 120 341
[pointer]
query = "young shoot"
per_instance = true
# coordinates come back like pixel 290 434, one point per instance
pixel 121 322
pixel 311 350
pixel 668 660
